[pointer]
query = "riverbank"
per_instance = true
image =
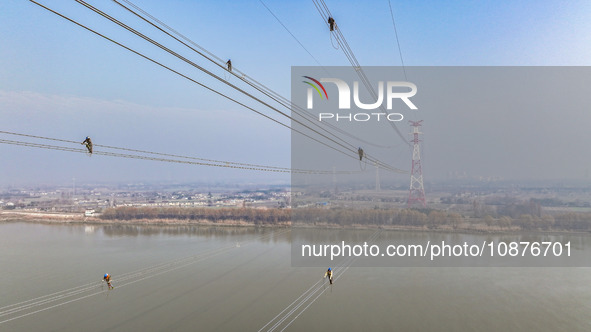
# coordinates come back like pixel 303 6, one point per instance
pixel 79 218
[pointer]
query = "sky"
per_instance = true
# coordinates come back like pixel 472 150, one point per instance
pixel 58 80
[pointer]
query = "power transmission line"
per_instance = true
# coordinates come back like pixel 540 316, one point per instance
pixel 325 14
pixel 220 79
pixel 190 160
pixel 304 112
pixel 291 34
pixel 253 83
pixel 385 166
pixel 241 75
pixel 347 153
pixel 397 40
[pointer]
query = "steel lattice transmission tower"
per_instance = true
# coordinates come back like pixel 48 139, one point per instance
pixel 417 190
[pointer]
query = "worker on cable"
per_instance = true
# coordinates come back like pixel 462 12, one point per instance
pixel 331 23
pixel 88 144
pixel 229 64
pixel 107 279
pixel 328 274
pixel 360 151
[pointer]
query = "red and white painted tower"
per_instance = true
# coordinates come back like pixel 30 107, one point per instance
pixel 417 191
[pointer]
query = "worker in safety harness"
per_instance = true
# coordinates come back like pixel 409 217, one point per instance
pixel 331 23
pixel 328 274
pixel 88 144
pixel 107 279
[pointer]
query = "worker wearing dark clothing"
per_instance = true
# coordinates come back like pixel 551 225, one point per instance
pixel 88 144
pixel 331 23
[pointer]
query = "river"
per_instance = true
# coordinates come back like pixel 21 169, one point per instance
pixel 196 278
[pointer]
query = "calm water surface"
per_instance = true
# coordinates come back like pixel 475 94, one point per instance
pixel 241 279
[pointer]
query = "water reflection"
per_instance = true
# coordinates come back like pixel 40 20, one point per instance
pixel 215 232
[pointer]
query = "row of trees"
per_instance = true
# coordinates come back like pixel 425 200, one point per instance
pixel 562 221
pixel 506 206
pixel 437 218
pixel 255 216
pixel 347 217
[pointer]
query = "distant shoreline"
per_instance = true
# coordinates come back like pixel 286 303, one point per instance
pixel 77 218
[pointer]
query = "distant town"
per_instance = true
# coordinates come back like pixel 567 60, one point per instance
pixel 470 206
pixel 98 198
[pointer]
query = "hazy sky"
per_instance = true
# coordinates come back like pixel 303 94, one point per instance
pixel 60 81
